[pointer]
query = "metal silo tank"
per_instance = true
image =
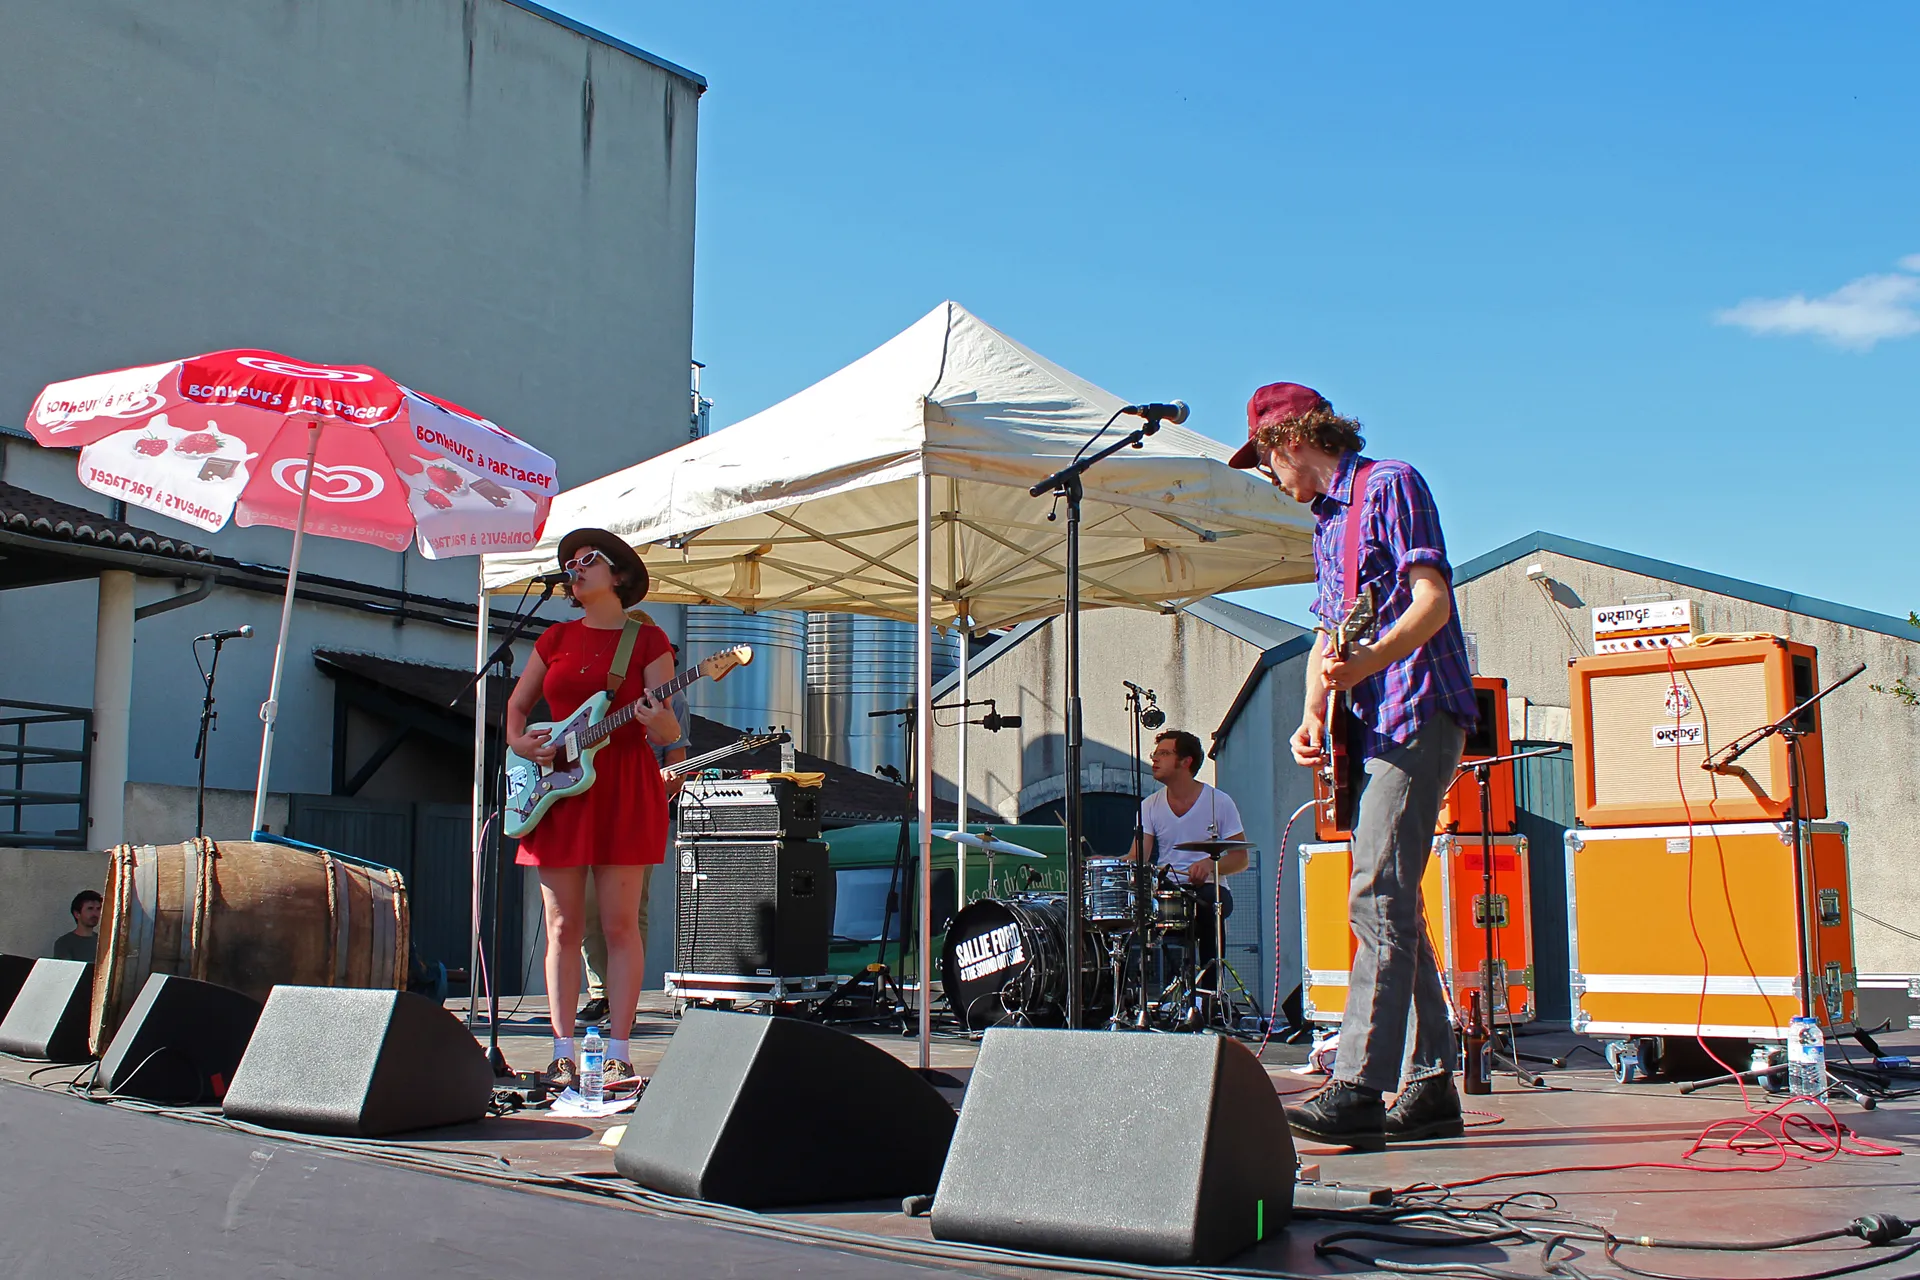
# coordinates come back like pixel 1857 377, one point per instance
pixel 855 665
pixel 771 690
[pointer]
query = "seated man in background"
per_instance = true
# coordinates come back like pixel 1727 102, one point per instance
pixel 80 944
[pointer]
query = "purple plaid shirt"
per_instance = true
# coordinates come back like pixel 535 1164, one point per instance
pixel 1402 530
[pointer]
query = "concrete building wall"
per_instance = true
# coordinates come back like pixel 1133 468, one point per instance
pixel 487 204
pixel 1194 666
pixel 1872 740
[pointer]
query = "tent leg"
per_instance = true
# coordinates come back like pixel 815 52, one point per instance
pixel 270 709
pixel 960 768
pixel 923 772
pixel 483 616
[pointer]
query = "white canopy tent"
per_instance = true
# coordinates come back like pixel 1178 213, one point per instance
pixel 899 487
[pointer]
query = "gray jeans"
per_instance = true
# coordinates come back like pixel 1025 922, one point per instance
pixel 1396 1025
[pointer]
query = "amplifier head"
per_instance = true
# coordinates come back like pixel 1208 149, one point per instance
pixel 1644 722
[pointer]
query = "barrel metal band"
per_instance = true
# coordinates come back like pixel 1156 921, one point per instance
pixel 385 925
pixel 186 952
pixel 340 892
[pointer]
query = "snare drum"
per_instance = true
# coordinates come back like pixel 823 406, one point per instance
pixel 1107 900
pixel 1174 909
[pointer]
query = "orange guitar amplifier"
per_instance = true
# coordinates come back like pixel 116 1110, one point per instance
pixel 1642 727
pixel 1637 897
pixel 1460 810
pixel 1455 901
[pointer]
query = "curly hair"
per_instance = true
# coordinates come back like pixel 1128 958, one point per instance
pixel 1186 746
pixel 1320 428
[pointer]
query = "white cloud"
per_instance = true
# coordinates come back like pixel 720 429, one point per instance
pixel 1858 314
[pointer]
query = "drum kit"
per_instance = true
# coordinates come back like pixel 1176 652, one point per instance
pixel 1142 963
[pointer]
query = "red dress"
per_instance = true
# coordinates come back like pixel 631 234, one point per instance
pixel 621 820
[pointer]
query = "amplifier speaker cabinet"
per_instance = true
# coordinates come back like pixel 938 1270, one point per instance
pixel 757 908
pixel 1455 899
pixel 1460 809
pixel 750 808
pixel 1636 967
pixel 1641 728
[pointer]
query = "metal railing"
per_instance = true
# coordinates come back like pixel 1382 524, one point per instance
pixel 50 746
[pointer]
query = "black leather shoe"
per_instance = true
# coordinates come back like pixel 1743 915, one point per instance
pixel 594 1012
pixel 1427 1108
pixel 1342 1115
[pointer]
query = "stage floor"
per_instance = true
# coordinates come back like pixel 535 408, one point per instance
pixel 94 1190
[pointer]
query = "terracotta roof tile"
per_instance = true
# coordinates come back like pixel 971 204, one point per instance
pixel 36 515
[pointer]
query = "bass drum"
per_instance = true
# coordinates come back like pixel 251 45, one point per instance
pixel 247 916
pixel 1006 961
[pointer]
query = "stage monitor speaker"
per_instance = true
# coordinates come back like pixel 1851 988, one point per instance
pixel 48 1018
pixel 1171 1150
pixel 1641 728
pixel 359 1064
pixel 760 908
pixel 763 1112
pixel 13 975
pixel 180 1042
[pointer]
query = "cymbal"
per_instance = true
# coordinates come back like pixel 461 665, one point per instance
pixel 1213 847
pixel 993 845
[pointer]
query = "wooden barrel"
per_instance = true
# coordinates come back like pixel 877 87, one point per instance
pixel 247 916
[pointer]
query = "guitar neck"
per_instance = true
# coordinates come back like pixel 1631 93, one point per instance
pixel 625 714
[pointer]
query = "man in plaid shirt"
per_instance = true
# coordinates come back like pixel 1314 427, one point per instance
pixel 1410 692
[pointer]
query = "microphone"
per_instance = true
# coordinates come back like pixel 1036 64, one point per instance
pixel 558 578
pixel 1175 413
pixel 994 722
pixel 1153 717
pixel 237 633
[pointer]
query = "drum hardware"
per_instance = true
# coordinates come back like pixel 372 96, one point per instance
pixel 1213 851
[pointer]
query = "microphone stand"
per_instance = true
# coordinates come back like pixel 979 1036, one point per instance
pixel 1791 727
pixel 1510 1058
pixel 1065 483
pixel 494 766
pixel 1136 700
pixel 201 747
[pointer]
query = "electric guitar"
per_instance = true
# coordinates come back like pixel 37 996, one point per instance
pixel 533 788
pixel 1333 782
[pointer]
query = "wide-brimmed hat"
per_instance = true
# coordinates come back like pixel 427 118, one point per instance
pixel 1274 403
pixel 617 551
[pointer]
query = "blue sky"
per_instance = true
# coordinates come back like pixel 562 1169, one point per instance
pixel 1629 273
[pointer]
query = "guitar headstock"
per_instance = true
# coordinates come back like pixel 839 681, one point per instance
pixel 716 665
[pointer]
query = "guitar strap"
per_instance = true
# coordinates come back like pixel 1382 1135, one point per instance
pixel 623 655
pixel 1351 535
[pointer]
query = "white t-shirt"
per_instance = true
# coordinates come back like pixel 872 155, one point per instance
pixel 1213 817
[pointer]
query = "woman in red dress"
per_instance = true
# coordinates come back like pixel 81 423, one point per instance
pixel 618 827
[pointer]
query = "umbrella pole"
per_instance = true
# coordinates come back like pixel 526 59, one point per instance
pixel 270 709
pixel 923 764
pixel 483 617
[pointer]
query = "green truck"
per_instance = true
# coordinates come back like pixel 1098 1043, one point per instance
pixel 862 859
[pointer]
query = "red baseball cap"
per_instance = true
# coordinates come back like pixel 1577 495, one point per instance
pixel 1275 402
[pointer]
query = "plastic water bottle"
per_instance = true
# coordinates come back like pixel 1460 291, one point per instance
pixel 593 1067
pixel 1806 1059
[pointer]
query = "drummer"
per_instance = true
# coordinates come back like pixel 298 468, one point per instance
pixel 1189 809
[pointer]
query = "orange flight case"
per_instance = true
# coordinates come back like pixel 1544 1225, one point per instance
pixel 1678 932
pixel 1454 894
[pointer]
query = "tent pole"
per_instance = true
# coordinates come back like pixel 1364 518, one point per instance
pixel 1071 801
pixel 960 765
pixel 270 709
pixel 483 617
pixel 923 762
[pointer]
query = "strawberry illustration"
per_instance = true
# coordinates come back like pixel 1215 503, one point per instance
pixel 446 478
pixel 149 446
pixel 198 443
pixel 437 500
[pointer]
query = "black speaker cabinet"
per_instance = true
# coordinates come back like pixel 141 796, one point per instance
pixel 359 1064
pixel 13 975
pixel 761 1112
pixel 180 1042
pixel 48 1018
pixel 761 908
pixel 1172 1150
